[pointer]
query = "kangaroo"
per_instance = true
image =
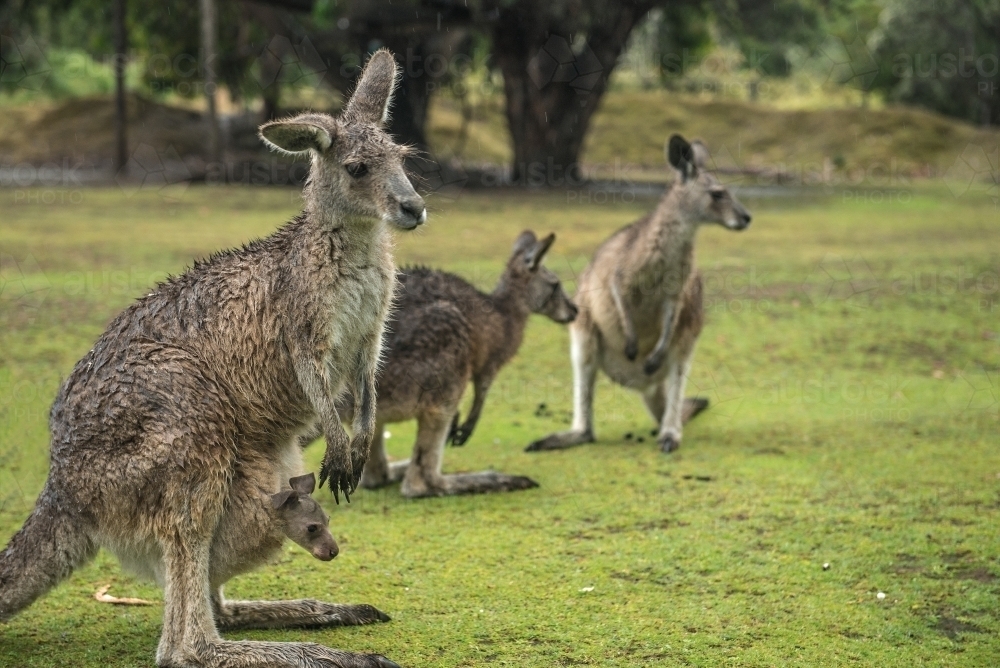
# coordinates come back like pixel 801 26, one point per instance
pixel 210 379
pixel 443 333
pixel 294 514
pixel 299 517
pixel 640 302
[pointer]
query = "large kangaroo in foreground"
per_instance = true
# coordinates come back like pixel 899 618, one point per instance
pixel 191 403
pixel 442 334
pixel 640 302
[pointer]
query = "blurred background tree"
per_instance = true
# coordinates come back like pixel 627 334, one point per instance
pixel 942 55
pixel 552 62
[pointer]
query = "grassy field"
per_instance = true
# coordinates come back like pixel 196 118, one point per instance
pixel 851 352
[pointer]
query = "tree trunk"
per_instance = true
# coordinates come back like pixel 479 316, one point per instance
pixel 552 90
pixel 209 51
pixel 121 115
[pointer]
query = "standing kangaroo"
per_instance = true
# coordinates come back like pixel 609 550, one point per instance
pixel 207 382
pixel 640 302
pixel 443 333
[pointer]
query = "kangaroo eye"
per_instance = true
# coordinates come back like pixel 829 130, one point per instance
pixel 312 528
pixel 356 169
pixel 718 194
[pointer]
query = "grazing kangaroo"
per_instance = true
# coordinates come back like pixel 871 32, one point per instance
pixel 443 333
pixel 194 398
pixel 640 302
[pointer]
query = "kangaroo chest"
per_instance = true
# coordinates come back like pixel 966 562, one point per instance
pixel 356 309
pixel 661 276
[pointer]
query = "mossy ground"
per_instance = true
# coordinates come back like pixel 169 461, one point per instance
pixel 851 352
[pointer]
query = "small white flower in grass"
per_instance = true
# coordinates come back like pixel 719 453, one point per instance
pixel 586 589
pixel 386 434
pixel 880 595
pixel 826 567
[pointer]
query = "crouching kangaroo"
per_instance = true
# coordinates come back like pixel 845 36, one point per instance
pixel 210 379
pixel 443 333
pixel 640 301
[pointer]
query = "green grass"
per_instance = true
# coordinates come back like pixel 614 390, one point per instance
pixel 852 354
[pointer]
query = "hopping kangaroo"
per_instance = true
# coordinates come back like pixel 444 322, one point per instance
pixel 442 334
pixel 640 302
pixel 209 380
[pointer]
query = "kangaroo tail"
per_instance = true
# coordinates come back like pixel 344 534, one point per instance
pixel 49 546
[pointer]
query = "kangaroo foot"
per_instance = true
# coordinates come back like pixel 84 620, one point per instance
pixel 467 483
pixel 393 474
pixel 304 613
pixel 668 443
pixel 692 407
pixel 255 654
pixel 565 439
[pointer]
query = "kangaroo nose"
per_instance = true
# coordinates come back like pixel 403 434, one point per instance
pixel 746 219
pixel 326 553
pixel 414 208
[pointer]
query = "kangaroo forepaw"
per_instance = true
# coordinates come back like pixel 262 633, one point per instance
pixel 461 435
pixel 340 481
pixel 652 364
pixel 337 468
pixel 631 350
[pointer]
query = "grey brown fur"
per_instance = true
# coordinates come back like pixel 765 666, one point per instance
pixel 299 517
pixel 442 334
pixel 191 403
pixel 640 302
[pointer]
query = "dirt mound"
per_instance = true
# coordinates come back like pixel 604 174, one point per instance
pixel 81 131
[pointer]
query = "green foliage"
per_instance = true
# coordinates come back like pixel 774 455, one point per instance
pixel 851 353
pixel 943 55
pixel 766 29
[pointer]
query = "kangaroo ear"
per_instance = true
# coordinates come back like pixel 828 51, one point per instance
pixel 701 156
pixel 524 242
pixel 304 484
pixel 295 136
pixel 680 155
pixel 281 499
pixel 371 99
pixel 535 255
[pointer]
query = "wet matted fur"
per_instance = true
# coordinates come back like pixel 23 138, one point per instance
pixel 189 407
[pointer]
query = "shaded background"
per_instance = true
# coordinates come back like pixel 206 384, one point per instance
pixel 505 93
